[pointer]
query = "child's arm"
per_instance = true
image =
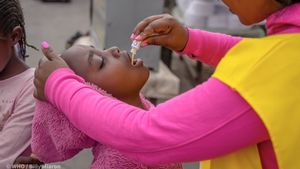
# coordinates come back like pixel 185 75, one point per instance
pixel 209 47
pixel 16 133
pixel 54 138
pixel 211 118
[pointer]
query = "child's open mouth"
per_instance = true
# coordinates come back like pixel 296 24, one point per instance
pixel 137 62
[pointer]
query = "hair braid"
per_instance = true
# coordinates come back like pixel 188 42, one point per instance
pixel 11 15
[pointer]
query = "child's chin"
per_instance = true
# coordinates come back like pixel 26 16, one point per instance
pixel 146 73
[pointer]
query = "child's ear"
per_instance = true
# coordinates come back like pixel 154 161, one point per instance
pixel 16 35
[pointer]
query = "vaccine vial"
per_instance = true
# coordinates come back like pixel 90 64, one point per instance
pixel 135 46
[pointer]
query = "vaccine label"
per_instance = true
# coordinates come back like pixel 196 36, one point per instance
pixel 136 44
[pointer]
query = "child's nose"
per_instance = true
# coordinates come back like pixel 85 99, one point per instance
pixel 115 51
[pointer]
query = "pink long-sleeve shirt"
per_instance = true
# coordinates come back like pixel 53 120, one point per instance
pixel 208 121
pixel 55 139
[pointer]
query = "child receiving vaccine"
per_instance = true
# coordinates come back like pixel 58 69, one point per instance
pixel 16 87
pixel 110 72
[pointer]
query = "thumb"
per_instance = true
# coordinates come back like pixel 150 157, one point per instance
pixel 48 51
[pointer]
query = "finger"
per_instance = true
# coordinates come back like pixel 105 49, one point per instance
pixel 35 94
pixel 161 40
pixel 141 26
pixel 36 72
pixel 159 26
pixel 36 83
pixel 48 51
pixel 36 77
pixel 41 61
pixel 36 88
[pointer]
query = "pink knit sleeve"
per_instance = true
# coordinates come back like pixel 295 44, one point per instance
pixel 209 47
pixel 205 122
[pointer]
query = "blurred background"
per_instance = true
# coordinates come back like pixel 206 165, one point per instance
pixel 106 23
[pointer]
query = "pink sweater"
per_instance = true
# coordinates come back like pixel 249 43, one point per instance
pixel 55 139
pixel 208 121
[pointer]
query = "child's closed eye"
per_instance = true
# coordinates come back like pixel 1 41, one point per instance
pixel 102 62
pixel 96 60
pixel 99 61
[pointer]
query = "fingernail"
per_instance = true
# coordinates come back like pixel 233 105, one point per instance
pixel 45 45
pixel 138 37
pixel 133 36
pixel 144 44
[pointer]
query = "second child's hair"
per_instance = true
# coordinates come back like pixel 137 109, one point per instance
pixel 11 15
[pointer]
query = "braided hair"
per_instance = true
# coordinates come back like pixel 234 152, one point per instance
pixel 11 15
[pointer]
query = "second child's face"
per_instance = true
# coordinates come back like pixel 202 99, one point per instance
pixel 4 53
pixel 110 69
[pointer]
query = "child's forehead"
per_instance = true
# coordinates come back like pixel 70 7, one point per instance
pixel 81 48
pixel 77 50
pixel 76 53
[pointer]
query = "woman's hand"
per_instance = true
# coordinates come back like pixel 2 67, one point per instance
pixel 163 30
pixel 46 66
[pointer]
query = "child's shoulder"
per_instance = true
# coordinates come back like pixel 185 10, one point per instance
pixel 28 74
pixel 26 79
pixel 22 85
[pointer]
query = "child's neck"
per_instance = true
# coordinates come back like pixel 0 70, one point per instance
pixel 14 67
pixel 134 100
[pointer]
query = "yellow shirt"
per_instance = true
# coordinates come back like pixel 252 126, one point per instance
pixel 266 73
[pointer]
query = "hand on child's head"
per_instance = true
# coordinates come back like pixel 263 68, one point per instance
pixel 47 65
